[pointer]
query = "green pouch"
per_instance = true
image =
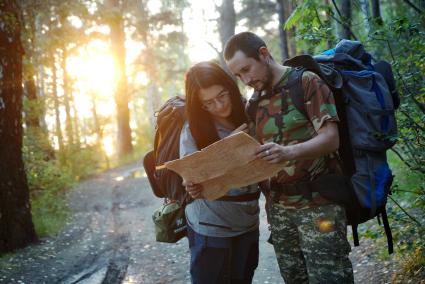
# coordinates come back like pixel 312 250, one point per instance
pixel 170 222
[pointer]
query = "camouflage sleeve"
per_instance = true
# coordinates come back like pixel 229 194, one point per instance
pixel 319 100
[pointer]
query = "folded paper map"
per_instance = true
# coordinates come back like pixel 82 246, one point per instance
pixel 225 164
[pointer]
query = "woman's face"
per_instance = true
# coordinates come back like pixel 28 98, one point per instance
pixel 216 100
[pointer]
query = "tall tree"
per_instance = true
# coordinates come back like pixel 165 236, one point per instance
pixel 56 103
pixel 162 59
pixel 226 24
pixel 116 25
pixel 17 229
pixel 292 47
pixel 32 111
pixel 282 13
pixel 376 12
pixel 66 95
pixel 344 19
pixel 364 6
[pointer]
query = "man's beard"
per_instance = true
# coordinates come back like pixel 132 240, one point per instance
pixel 268 80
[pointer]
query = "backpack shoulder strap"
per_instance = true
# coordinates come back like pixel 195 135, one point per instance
pixel 252 105
pixel 295 87
pixel 387 231
pixel 296 91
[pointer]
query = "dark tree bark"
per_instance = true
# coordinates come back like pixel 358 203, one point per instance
pixel 17 229
pixel 32 112
pixel 346 14
pixel 343 19
pixel 282 32
pixel 292 47
pixel 32 116
pixel 116 25
pixel 330 43
pixel 376 12
pixel 226 25
pixel 364 6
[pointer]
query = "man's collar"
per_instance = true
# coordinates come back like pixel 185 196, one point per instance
pixel 277 88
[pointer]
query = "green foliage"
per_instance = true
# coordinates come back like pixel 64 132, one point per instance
pixel 50 173
pixel 399 38
pixel 314 29
pixel 294 18
pixel 49 212
pixel 46 181
pixel 408 192
pixel 73 155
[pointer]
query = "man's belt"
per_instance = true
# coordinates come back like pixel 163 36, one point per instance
pixel 331 186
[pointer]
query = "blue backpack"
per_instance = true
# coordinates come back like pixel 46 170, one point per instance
pixel 366 99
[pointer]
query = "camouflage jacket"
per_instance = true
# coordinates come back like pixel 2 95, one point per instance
pixel 277 111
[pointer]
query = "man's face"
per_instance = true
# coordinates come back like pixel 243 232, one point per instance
pixel 254 73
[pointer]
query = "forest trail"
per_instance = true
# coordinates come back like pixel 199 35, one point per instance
pixel 110 239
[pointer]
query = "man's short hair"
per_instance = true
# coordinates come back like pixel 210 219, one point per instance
pixel 247 42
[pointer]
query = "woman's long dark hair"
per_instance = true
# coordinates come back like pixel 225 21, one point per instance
pixel 201 76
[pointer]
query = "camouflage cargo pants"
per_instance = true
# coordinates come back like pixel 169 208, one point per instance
pixel 311 244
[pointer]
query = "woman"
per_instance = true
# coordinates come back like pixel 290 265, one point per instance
pixel 223 234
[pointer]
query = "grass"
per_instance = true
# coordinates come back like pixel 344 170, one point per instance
pixel 49 212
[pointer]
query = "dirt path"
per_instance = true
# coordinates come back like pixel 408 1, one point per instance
pixel 110 239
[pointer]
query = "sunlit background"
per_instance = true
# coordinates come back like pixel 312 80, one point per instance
pixel 93 72
pixel 82 102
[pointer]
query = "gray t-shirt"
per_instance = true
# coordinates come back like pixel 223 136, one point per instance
pixel 219 218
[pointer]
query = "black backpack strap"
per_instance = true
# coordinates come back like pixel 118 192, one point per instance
pixel 251 106
pixel 355 235
pixel 295 87
pixel 149 165
pixel 240 198
pixel 387 231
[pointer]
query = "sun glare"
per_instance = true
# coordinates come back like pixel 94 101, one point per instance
pixel 108 145
pixel 92 71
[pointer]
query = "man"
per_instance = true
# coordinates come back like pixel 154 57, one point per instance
pixel 308 231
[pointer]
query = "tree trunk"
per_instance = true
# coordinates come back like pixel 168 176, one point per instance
pixel 282 32
pixel 292 47
pixel 66 100
pixel 76 122
pixel 32 112
pixel 40 77
pixel 376 12
pixel 32 109
pixel 98 128
pixel 57 105
pixel 364 5
pixel 17 229
pixel 121 95
pixel 344 31
pixel 330 43
pixel 226 25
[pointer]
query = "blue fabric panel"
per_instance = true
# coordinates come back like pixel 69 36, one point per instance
pixel 328 52
pixel 382 176
pixel 363 73
pixel 385 121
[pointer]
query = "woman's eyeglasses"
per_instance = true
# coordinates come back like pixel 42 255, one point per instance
pixel 211 104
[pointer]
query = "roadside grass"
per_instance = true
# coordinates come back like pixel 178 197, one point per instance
pixel 49 181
